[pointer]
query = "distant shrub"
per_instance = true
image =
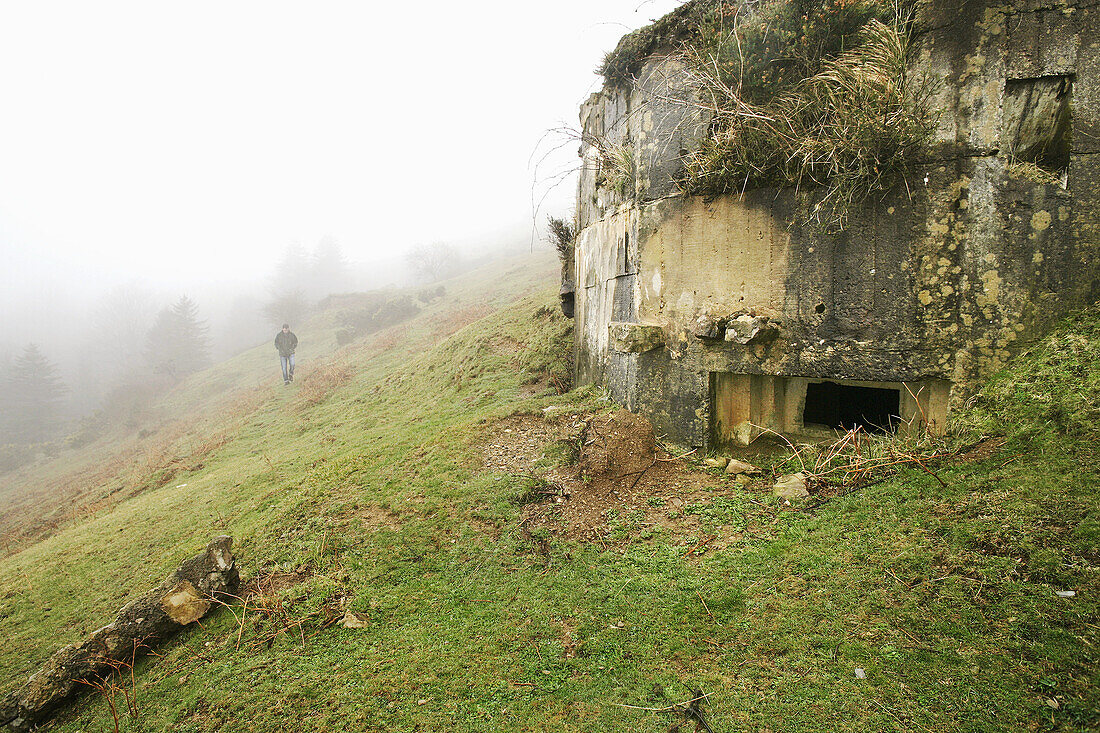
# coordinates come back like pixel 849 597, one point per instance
pixel 430 295
pixel 378 311
pixel 16 455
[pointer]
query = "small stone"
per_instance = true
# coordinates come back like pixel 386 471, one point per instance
pixel 422 701
pixel 746 329
pixel 353 621
pixel 792 486
pixel 719 462
pixel 707 326
pixel 736 467
pixel 861 674
pixel 1065 593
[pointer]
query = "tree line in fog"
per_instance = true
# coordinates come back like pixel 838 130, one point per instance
pixel 130 350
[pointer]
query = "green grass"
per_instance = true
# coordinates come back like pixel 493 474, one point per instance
pixel 944 595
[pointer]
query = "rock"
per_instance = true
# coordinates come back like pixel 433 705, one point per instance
pixel 719 462
pixel 707 326
pixel 184 604
pixel 860 673
pixel 792 486
pixel 736 467
pixel 746 329
pixel 634 338
pixel 183 598
pixel 353 621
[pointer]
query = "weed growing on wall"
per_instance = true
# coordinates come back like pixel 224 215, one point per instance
pixel 617 168
pixel 562 236
pixel 809 93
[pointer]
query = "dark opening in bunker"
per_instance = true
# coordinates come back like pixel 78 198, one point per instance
pixel 875 409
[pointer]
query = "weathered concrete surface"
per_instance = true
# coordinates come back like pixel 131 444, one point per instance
pixel 930 288
pixel 634 338
pixel 184 597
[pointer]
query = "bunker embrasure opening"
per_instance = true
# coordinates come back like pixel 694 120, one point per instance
pixel 845 406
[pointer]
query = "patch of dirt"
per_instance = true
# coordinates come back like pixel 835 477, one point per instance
pixel 272 582
pixel 622 479
pixel 981 450
pixel 518 442
pixel 507 346
pixel 372 517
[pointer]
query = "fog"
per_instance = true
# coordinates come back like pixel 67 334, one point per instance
pixel 151 151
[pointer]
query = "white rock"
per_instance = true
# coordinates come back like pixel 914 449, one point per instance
pixel 735 467
pixel 792 486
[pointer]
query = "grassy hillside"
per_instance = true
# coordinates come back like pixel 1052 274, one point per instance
pixel 397 481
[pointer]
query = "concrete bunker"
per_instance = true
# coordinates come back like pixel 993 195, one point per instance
pixel 726 315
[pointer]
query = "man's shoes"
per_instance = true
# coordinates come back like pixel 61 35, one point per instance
pixel 286 382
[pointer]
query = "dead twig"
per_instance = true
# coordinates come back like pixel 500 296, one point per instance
pixel 671 708
pixel 705 606
pixel 700 543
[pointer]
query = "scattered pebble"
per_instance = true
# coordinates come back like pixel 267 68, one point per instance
pixel 1065 593
pixel 860 673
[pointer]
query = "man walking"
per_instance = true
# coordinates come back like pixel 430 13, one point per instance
pixel 286 342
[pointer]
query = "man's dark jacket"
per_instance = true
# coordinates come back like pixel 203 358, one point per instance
pixel 286 343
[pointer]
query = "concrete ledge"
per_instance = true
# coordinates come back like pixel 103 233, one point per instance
pixel 634 338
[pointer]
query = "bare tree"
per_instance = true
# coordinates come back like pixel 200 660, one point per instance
pixel 433 262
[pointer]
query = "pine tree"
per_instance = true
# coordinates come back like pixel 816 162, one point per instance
pixel 329 270
pixel 33 394
pixel 288 302
pixel 178 343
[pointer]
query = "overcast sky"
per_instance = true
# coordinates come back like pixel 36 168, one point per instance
pixel 179 142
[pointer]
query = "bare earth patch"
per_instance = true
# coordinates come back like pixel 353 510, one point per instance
pixel 621 478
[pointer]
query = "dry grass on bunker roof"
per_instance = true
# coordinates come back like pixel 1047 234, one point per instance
pixel 813 93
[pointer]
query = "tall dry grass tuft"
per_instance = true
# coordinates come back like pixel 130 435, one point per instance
pixel 389 338
pixel 320 381
pixel 848 129
pixel 458 319
pixel 562 236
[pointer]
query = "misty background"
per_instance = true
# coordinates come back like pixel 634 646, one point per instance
pixel 185 177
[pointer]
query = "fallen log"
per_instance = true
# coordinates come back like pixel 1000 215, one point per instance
pixel 183 598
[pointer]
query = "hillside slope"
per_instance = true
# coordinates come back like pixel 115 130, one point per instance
pixel 389 484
